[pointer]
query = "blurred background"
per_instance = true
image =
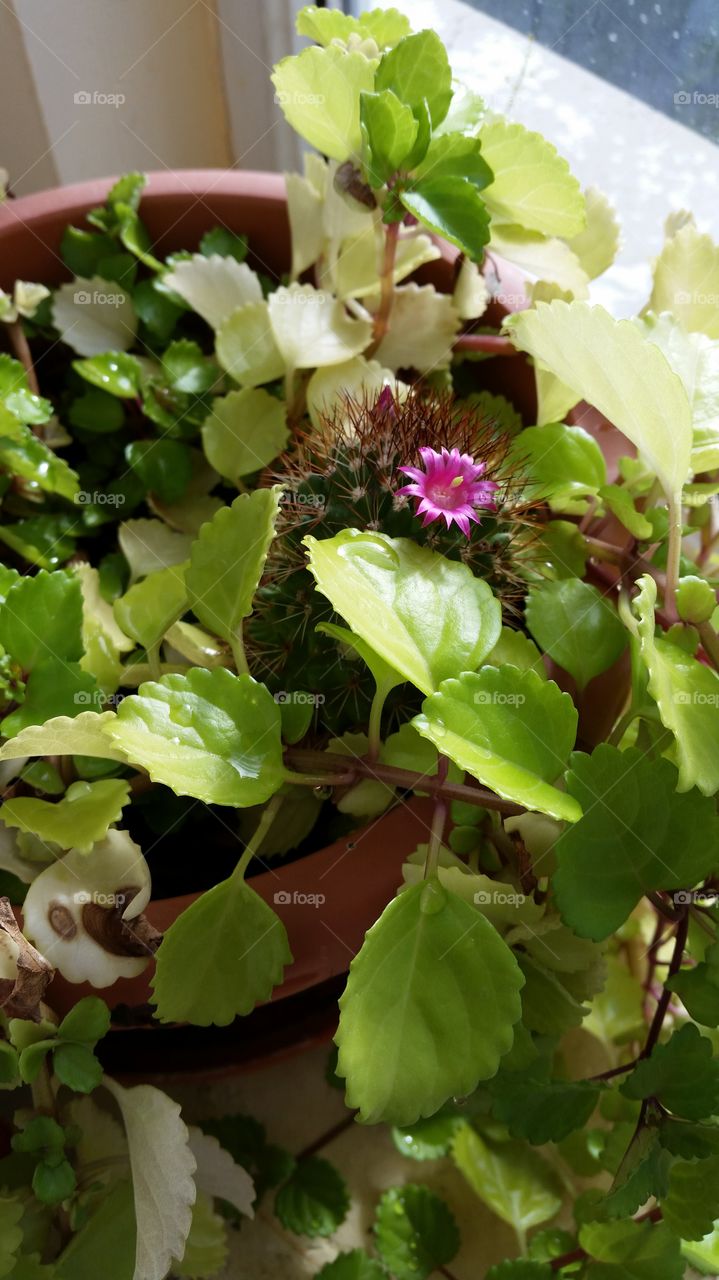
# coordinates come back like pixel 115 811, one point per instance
pixel 628 91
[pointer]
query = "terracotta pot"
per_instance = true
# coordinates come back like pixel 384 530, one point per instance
pixel 358 875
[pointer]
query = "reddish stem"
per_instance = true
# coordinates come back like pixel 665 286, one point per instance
pixel 491 344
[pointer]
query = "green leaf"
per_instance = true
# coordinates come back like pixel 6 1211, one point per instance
pixel 520 1269
pixel 455 155
pixel 695 358
pixel 209 734
pixel 355 1265
pixel 577 626
pixel 682 1074
pixel 533 186
pixel 227 560
pixel 542 1110
pixel 32 1059
pixel 696 599
pixel 156 310
pixel 54 688
pixel 78 820
pixel 686 693
pixel 42 617
pixel 424 615
pixel 96 411
pixel 547 1006
pixel 206 1247
pixel 444 1020
pixel 24 454
pixel 517 650
pixel 149 608
pixel 245 1139
pixel 53 1182
pixel 63 735
pixel 244 432
pixel 564 465
pixel 187 369
pixel 509 1177
pixel 631 1251
pixel 319 93
pixel 82 250
pixel 637 835
pixel 222 241
pixel 220 958
pixel 109 1234
pixel 163 466
pixel 314 1201
pixel 76 1066
pixel 417 70
pixel 453 208
pixel 114 371
pixel 384 676
pixel 86 1023
pixel 698 988
pixel 415 1232
pixel 390 130
pixel 642 1173
pixel 9 1064
pixel 625 376
pixel 510 729
pixel 692 1205
pixel 618 500
pixel 428 1139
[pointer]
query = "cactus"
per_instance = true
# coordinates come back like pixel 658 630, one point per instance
pixel 345 474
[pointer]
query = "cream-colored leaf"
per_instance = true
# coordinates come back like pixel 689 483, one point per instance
pixel 246 346
pixel 533 186
pixel 312 328
pixel 609 364
pixel 218 1175
pixel 695 358
pixel 214 287
pixel 80 735
pixel 545 259
pixel 356 273
pixel 686 281
pixel 148 545
pixel 244 431
pixel 304 207
pixel 471 295
pixel 423 326
pixel 357 379
pixel 93 316
pixel 162 1175
pixel 597 245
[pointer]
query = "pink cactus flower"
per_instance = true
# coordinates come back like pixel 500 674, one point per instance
pixel 449 487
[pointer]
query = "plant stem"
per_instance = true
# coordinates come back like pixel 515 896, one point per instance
pixel 490 344
pixel 258 835
pixel 710 642
pixel 21 348
pixel 621 727
pixel 326 761
pixel 439 819
pixel 374 728
pixel 680 941
pixel 386 297
pixel 238 653
pixel 335 1132
pixel 674 551
pixel 153 661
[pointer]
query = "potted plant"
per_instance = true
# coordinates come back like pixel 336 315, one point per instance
pixel 359 568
